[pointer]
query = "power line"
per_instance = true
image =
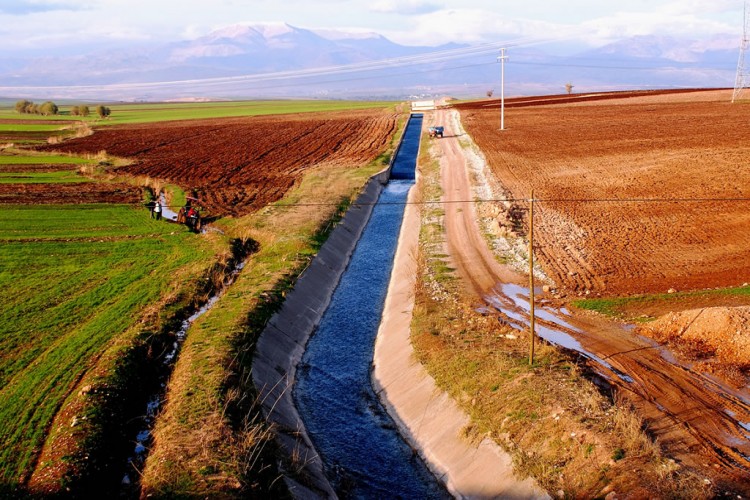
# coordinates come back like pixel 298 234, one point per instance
pixel 624 68
pixel 418 59
pixel 525 200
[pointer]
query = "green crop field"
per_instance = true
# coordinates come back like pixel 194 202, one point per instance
pixel 140 113
pixel 29 127
pixel 155 112
pixel 38 159
pixel 73 278
pixel 64 176
pixel 84 283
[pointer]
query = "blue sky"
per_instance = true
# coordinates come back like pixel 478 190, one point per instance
pixel 55 26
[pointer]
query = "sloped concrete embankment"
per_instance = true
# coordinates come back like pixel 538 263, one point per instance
pixel 282 344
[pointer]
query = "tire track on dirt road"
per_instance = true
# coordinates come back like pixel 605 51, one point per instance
pixel 699 421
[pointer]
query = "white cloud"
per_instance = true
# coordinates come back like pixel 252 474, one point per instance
pixel 416 22
pixel 670 20
pixel 406 7
pixel 688 18
pixel 477 26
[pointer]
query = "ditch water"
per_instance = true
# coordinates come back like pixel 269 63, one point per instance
pixel 142 439
pixel 364 454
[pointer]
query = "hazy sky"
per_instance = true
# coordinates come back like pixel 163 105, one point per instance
pixel 54 25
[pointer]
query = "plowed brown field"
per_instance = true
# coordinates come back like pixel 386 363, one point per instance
pixel 698 419
pixel 89 192
pixel 239 165
pixel 677 156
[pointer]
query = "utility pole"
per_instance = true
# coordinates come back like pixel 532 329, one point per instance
pixel 502 59
pixel 739 82
pixel 531 279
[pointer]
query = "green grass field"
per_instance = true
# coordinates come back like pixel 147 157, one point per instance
pixel 29 127
pixel 155 112
pixel 65 176
pixel 139 113
pixel 631 308
pixel 73 279
pixel 40 159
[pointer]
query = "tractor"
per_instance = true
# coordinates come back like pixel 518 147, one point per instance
pixel 436 131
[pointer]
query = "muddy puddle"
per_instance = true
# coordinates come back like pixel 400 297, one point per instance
pixel 699 418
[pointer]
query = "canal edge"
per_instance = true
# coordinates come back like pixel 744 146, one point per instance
pixel 427 418
pixel 282 343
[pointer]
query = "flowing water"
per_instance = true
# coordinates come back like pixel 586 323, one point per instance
pixel 364 454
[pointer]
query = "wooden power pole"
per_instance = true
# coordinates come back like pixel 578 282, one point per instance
pixel 531 278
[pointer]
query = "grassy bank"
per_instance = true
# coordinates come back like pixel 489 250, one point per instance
pixel 556 424
pixel 642 308
pixel 210 441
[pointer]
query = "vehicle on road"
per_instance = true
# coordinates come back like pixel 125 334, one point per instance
pixel 436 131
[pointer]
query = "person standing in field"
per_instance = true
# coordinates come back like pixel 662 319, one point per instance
pixel 157 210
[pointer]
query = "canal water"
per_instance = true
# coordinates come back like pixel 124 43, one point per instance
pixel 364 454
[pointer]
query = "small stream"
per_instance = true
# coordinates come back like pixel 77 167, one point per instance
pixel 137 459
pixel 142 439
pixel 364 454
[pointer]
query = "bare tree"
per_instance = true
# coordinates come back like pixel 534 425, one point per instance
pixel 569 87
pixel 490 92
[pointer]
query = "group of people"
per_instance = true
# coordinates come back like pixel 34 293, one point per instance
pixel 155 207
pixel 189 210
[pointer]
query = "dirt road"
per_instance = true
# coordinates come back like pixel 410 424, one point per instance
pixel 701 422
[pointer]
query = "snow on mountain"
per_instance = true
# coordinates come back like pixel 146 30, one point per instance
pixel 336 35
pixel 666 48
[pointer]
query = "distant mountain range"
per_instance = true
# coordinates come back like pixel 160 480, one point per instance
pixel 278 60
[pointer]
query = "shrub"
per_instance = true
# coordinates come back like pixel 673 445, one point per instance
pixel 23 106
pixel 48 108
pixel 103 111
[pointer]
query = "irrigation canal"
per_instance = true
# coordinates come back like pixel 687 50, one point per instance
pixel 364 453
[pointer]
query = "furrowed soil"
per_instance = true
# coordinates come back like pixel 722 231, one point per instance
pixel 637 193
pixel 238 165
pixel 76 193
